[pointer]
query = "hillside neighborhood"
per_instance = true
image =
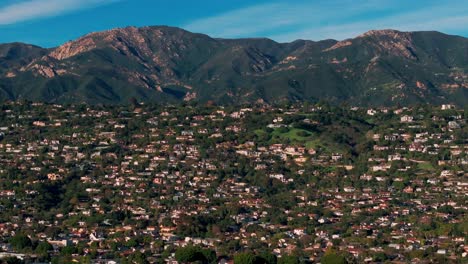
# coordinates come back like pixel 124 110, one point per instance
pixel 138 183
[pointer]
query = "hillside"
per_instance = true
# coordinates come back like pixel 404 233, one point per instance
pixel 166 64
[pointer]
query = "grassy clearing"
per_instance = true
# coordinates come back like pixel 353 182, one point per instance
pixel 309 139
pixel 425 166
pixel 293 134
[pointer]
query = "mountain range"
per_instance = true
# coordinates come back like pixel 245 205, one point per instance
pixel 165 64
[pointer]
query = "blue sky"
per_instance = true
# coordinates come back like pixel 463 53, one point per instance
pixel 52 22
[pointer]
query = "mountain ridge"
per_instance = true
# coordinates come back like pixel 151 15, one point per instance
pixel 168 64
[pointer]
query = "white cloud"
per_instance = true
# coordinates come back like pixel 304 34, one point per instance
pixel 446 19
pixel 34 9
pixel 338 19
pixel 240 22
pixel 265 17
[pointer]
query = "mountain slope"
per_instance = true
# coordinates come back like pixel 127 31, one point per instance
pixel 166 64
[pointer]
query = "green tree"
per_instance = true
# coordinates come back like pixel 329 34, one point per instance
pixel 12 260
pixel 268 258
pixel 189 254
pixel 137 258
pixel 244 258
pixel 288 259
pixel 20 242
pixel 68 251
pixel 209 255
pixel 43 248
pixel 331 257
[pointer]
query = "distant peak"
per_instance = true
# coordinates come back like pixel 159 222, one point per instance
pixel 129 29
pixel 382 32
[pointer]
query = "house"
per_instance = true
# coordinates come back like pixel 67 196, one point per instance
pixel 406 119
pixel 453 125
pixel 447 107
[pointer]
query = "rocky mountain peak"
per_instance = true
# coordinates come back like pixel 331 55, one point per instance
pixel 392 42
pixel 94 40
pixel 384 33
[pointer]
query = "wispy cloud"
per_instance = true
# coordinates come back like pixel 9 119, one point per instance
pixel 338 19
pixel 20 11
pixel 450 19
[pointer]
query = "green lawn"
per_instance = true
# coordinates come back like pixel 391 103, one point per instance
pixel 309 139
pixel 314 144
pixel 294 134
pixel 425 166
pixel 260 132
